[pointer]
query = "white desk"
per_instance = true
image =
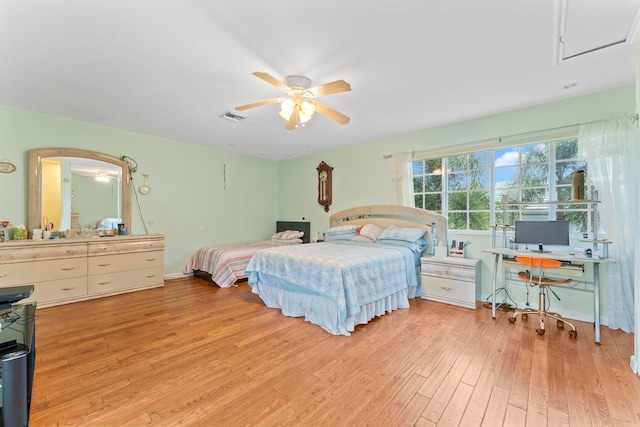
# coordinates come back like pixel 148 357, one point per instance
pixel 560 256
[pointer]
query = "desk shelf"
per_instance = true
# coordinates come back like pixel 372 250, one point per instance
pixel 573 270
pixel 593 203
pixel 553 202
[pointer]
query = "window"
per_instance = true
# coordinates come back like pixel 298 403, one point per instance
pixel 461 186
pixel 427 184
pixel 469 191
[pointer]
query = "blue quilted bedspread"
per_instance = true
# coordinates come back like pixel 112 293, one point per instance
pixel 349 273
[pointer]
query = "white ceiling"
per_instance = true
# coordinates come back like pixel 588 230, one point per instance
pixel 170 67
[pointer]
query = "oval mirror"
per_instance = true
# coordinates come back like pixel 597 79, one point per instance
pixel 78 189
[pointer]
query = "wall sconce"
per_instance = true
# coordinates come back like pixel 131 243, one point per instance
pixel 144 189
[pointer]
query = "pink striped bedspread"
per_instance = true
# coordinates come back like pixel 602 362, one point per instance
pixel 227 264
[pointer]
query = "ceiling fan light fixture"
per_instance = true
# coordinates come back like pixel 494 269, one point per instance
pixel 102 178
pixel 297 108
pixel 304 118
pixel 287 105
pixel 286 114
pixel 307 108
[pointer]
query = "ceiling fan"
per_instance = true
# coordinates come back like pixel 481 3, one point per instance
pixel 299 104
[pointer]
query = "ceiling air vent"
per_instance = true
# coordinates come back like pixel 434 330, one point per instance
pixel 233 116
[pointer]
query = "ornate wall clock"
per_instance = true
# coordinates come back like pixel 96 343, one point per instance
pixel 324 185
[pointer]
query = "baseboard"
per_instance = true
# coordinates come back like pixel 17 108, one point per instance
pixel 174 276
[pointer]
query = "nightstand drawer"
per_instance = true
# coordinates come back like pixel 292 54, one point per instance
pixel 450 271
pixel 449 291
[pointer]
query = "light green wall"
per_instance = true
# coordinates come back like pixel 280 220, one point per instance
pixel 362 176
pixel 187 182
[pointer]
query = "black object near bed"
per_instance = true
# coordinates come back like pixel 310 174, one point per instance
pixel 296 226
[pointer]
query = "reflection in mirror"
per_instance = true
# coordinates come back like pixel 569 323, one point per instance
pixel 78 189
pixel 91 193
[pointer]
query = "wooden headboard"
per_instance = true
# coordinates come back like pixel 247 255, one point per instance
pixel 297 226
pixel 401 216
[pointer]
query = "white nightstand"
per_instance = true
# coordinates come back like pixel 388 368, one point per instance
pixel 450 280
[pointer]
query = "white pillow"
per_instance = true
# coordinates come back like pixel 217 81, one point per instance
pixel 361 238
pixel 285 242
pixel 371 231
pixel 404 234
pixel 288 234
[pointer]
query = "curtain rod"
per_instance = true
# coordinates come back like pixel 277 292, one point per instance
pixel 634 118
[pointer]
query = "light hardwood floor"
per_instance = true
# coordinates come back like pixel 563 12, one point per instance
pixel 194 354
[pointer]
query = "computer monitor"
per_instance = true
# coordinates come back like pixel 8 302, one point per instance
pixel 542 233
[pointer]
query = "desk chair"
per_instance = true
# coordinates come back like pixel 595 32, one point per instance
pixel 543 283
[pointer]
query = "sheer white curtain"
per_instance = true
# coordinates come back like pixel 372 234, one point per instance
pixel 403 178
pixel 610 147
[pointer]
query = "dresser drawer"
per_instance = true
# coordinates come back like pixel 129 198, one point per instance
pixel 125 262
pixel 146 277
pixel 41 252
pixel 449 291
pixel 40 271
pixel 59 290
pixel 116 245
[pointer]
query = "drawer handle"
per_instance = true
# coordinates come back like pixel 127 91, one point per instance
pixel 68 268
pixel 149 276
pixel 104 265
pixel 150 259
pixel 68 289
pixel 445 288
pixel 103 283
pixel 2 275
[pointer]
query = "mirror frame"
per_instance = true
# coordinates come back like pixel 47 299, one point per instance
pixel 35 184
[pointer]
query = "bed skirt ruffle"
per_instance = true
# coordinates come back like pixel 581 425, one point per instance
pixel 323 312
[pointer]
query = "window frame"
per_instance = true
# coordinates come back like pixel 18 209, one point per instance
pixel 551 187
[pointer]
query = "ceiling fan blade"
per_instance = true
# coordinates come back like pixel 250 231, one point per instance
pixel 332 114
pixel 259 104
pixel 292 123
pixel 330 88
pixel 271 80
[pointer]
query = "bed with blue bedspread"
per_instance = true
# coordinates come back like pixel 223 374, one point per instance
pixel 342 283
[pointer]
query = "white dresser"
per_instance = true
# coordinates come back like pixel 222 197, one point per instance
pixel 70 270
pixel 450 280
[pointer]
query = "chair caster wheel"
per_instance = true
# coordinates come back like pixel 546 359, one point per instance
pixel 525 316
pixel 512 320
pixel 560 324
pixel 573 334
pixel 540 331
